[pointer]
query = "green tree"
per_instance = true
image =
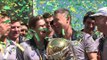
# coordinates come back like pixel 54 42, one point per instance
pixel 17 9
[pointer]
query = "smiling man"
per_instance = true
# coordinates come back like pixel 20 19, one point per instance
pixel 15 30
pixel 61 23
pixel 13 51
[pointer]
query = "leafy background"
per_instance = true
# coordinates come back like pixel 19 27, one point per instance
pixel 17 9
pixel 78 8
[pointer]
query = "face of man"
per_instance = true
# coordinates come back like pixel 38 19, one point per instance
pixel 4 25
pixel 89 24
pixel 60 20
pixel 24 30
pixel 40 28
pixel 101 23
pixel 15 30
pixel 48 21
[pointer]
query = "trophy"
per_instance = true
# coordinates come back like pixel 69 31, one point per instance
pixel 59 49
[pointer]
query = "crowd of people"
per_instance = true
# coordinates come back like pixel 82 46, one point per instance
pixel 53 37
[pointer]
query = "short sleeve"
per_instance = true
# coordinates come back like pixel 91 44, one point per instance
pixel 90 45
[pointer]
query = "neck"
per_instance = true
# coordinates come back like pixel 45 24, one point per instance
pixel 14 39
pixel 68 32
pixel 88 31
pixel 39 43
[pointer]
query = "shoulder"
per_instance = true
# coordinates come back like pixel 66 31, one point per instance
pixel 25 44
pixel 86 35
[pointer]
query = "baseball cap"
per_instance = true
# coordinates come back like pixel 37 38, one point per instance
pixel 87 15
pixel 102 11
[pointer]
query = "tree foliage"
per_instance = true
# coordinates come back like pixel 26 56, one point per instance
pixel 17 9
pixel 78 8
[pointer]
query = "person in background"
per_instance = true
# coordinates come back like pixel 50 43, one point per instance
pixel 85 47
pixel 4 29
pixel 89 25
pixel 101 22
pixel 48 19
pixel 23 32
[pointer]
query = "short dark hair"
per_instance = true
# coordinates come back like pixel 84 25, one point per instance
pixel 33 20
pixel 87 15
pixel 63 10
pixel 47 15
pixel 23 24
pixel 13 21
